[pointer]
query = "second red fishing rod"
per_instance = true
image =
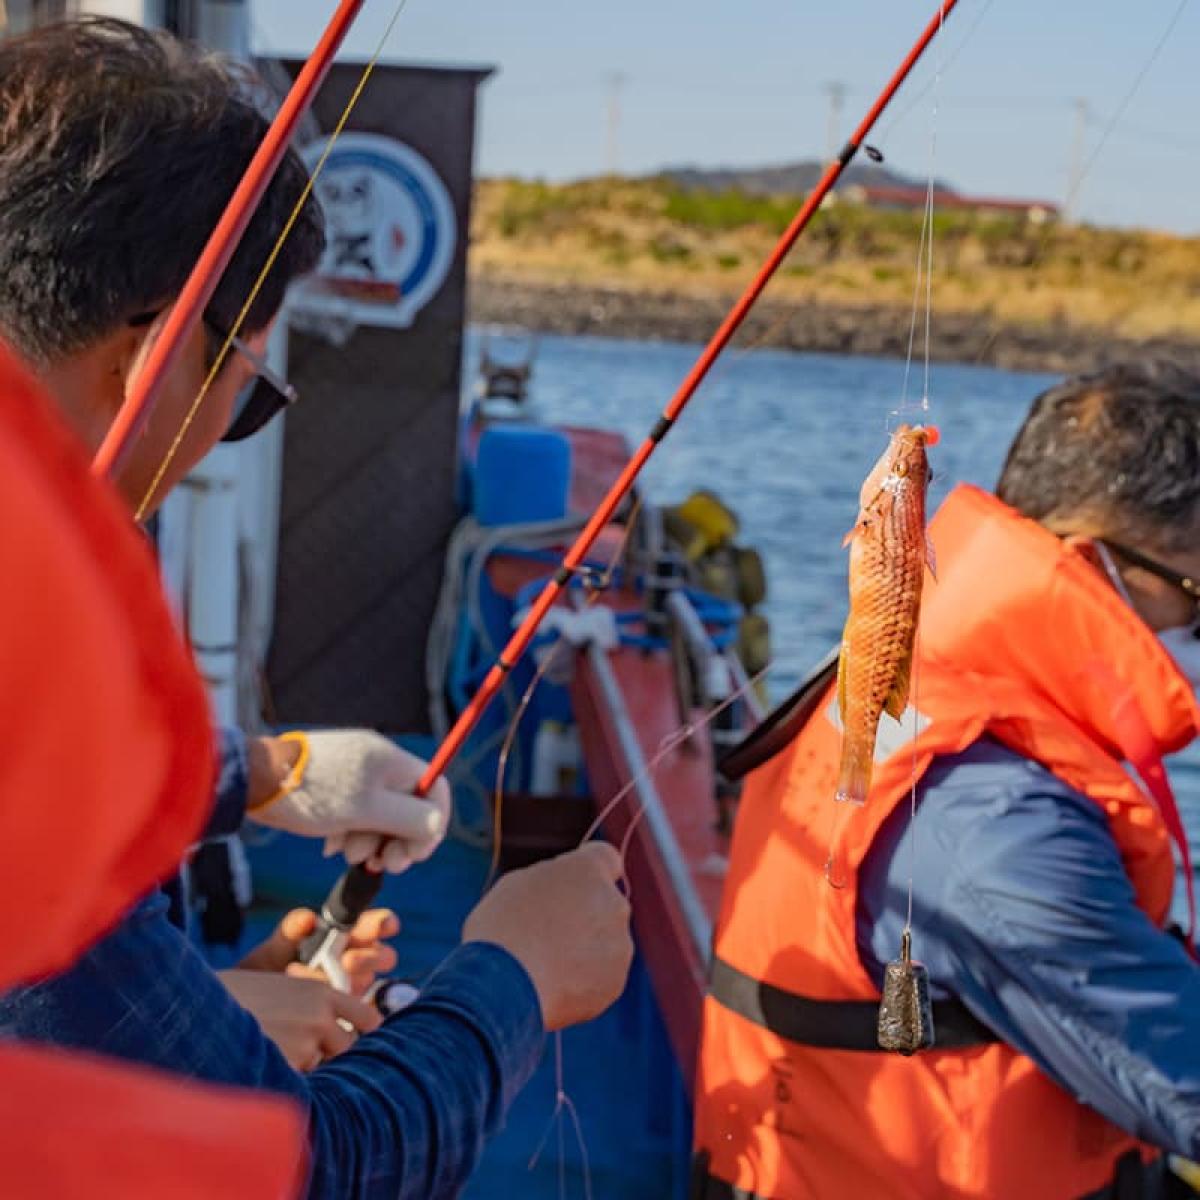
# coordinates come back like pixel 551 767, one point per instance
pixel 358 887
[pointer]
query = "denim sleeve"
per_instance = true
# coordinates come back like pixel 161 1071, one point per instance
pixel 404 1113
pixel 233 779
pixel 1023 910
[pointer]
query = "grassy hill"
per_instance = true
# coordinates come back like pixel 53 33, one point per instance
pixel 648 235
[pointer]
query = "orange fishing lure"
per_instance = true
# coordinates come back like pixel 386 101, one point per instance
pixel 888 554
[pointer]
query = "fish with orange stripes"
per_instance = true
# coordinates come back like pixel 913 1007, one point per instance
pixel 889 550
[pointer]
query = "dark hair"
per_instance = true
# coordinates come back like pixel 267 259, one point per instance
pixel 1117 451
pixel 119 149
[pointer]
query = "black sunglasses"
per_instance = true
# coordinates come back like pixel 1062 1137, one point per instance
pixel 268 394
pixel 1185 583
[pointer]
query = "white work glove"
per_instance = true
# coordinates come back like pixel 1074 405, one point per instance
pixel 354 788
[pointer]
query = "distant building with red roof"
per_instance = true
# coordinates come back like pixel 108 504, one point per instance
pixel 909 198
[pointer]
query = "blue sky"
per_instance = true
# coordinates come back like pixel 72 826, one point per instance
pixel 717 82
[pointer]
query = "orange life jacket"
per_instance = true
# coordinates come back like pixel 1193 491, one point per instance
pixel 1020 640
pixel 105 778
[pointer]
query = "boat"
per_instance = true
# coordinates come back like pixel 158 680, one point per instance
pixel 643 690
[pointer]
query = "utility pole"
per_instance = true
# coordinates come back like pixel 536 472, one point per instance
pixel 1075 169
pixel 616 81
pixel 836 92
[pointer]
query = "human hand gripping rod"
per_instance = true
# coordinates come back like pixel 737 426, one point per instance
pixel 354 892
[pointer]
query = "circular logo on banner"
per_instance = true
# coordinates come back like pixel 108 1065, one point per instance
pixel 390 228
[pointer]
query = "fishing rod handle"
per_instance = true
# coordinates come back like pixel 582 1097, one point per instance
pixel 350 897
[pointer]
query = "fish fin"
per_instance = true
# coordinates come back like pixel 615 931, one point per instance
pixel 930 558
pixel 854 779
pixel 860 526
pixel 897 698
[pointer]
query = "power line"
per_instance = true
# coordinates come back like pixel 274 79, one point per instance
pixel 1076 166
pixel 1127 99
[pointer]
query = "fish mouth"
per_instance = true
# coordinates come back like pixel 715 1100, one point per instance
pixel 928 435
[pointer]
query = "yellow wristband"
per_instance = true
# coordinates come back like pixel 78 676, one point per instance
pixel 295 777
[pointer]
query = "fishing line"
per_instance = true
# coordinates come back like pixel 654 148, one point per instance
pixel 363 884
pixel 924 256
pixel 925 265
pixel 595 584
pixel 907 111
pixel 563 1102
pixel 667 746
pixel 235 328
pixel 768 335
pixel 834 870
pixel 912 795
pixel 502 764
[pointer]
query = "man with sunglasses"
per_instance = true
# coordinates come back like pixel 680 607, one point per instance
pixel 1020 829
pixel 119 149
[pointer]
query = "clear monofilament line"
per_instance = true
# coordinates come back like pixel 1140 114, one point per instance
pixel 915 676
pixel 933 129
pixel 502 762
pixel 563 1103
pixel 951 58
pixel 666 746
pixel 595 586
pixel 912 788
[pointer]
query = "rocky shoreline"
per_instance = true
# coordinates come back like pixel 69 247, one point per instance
pixel 879 330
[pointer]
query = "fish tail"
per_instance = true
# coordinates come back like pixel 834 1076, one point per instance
pixel 854 779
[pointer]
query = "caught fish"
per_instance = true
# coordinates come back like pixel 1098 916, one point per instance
pixel 889 550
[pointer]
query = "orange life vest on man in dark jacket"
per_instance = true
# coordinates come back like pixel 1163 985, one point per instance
pixel 1021 640
pixel 105 777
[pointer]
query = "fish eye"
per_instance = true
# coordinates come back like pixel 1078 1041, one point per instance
pixel 901 468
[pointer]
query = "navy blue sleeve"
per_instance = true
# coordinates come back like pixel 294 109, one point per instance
pixel 1023 910
pixel 403 1114
pixel 233 779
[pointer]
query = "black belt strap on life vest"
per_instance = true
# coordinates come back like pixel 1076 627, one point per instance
pixel 832 1024
pixel 703 1186
pixel 1132 1180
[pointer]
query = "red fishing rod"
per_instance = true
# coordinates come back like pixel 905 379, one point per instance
pixel 353 893
pixel 189 307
